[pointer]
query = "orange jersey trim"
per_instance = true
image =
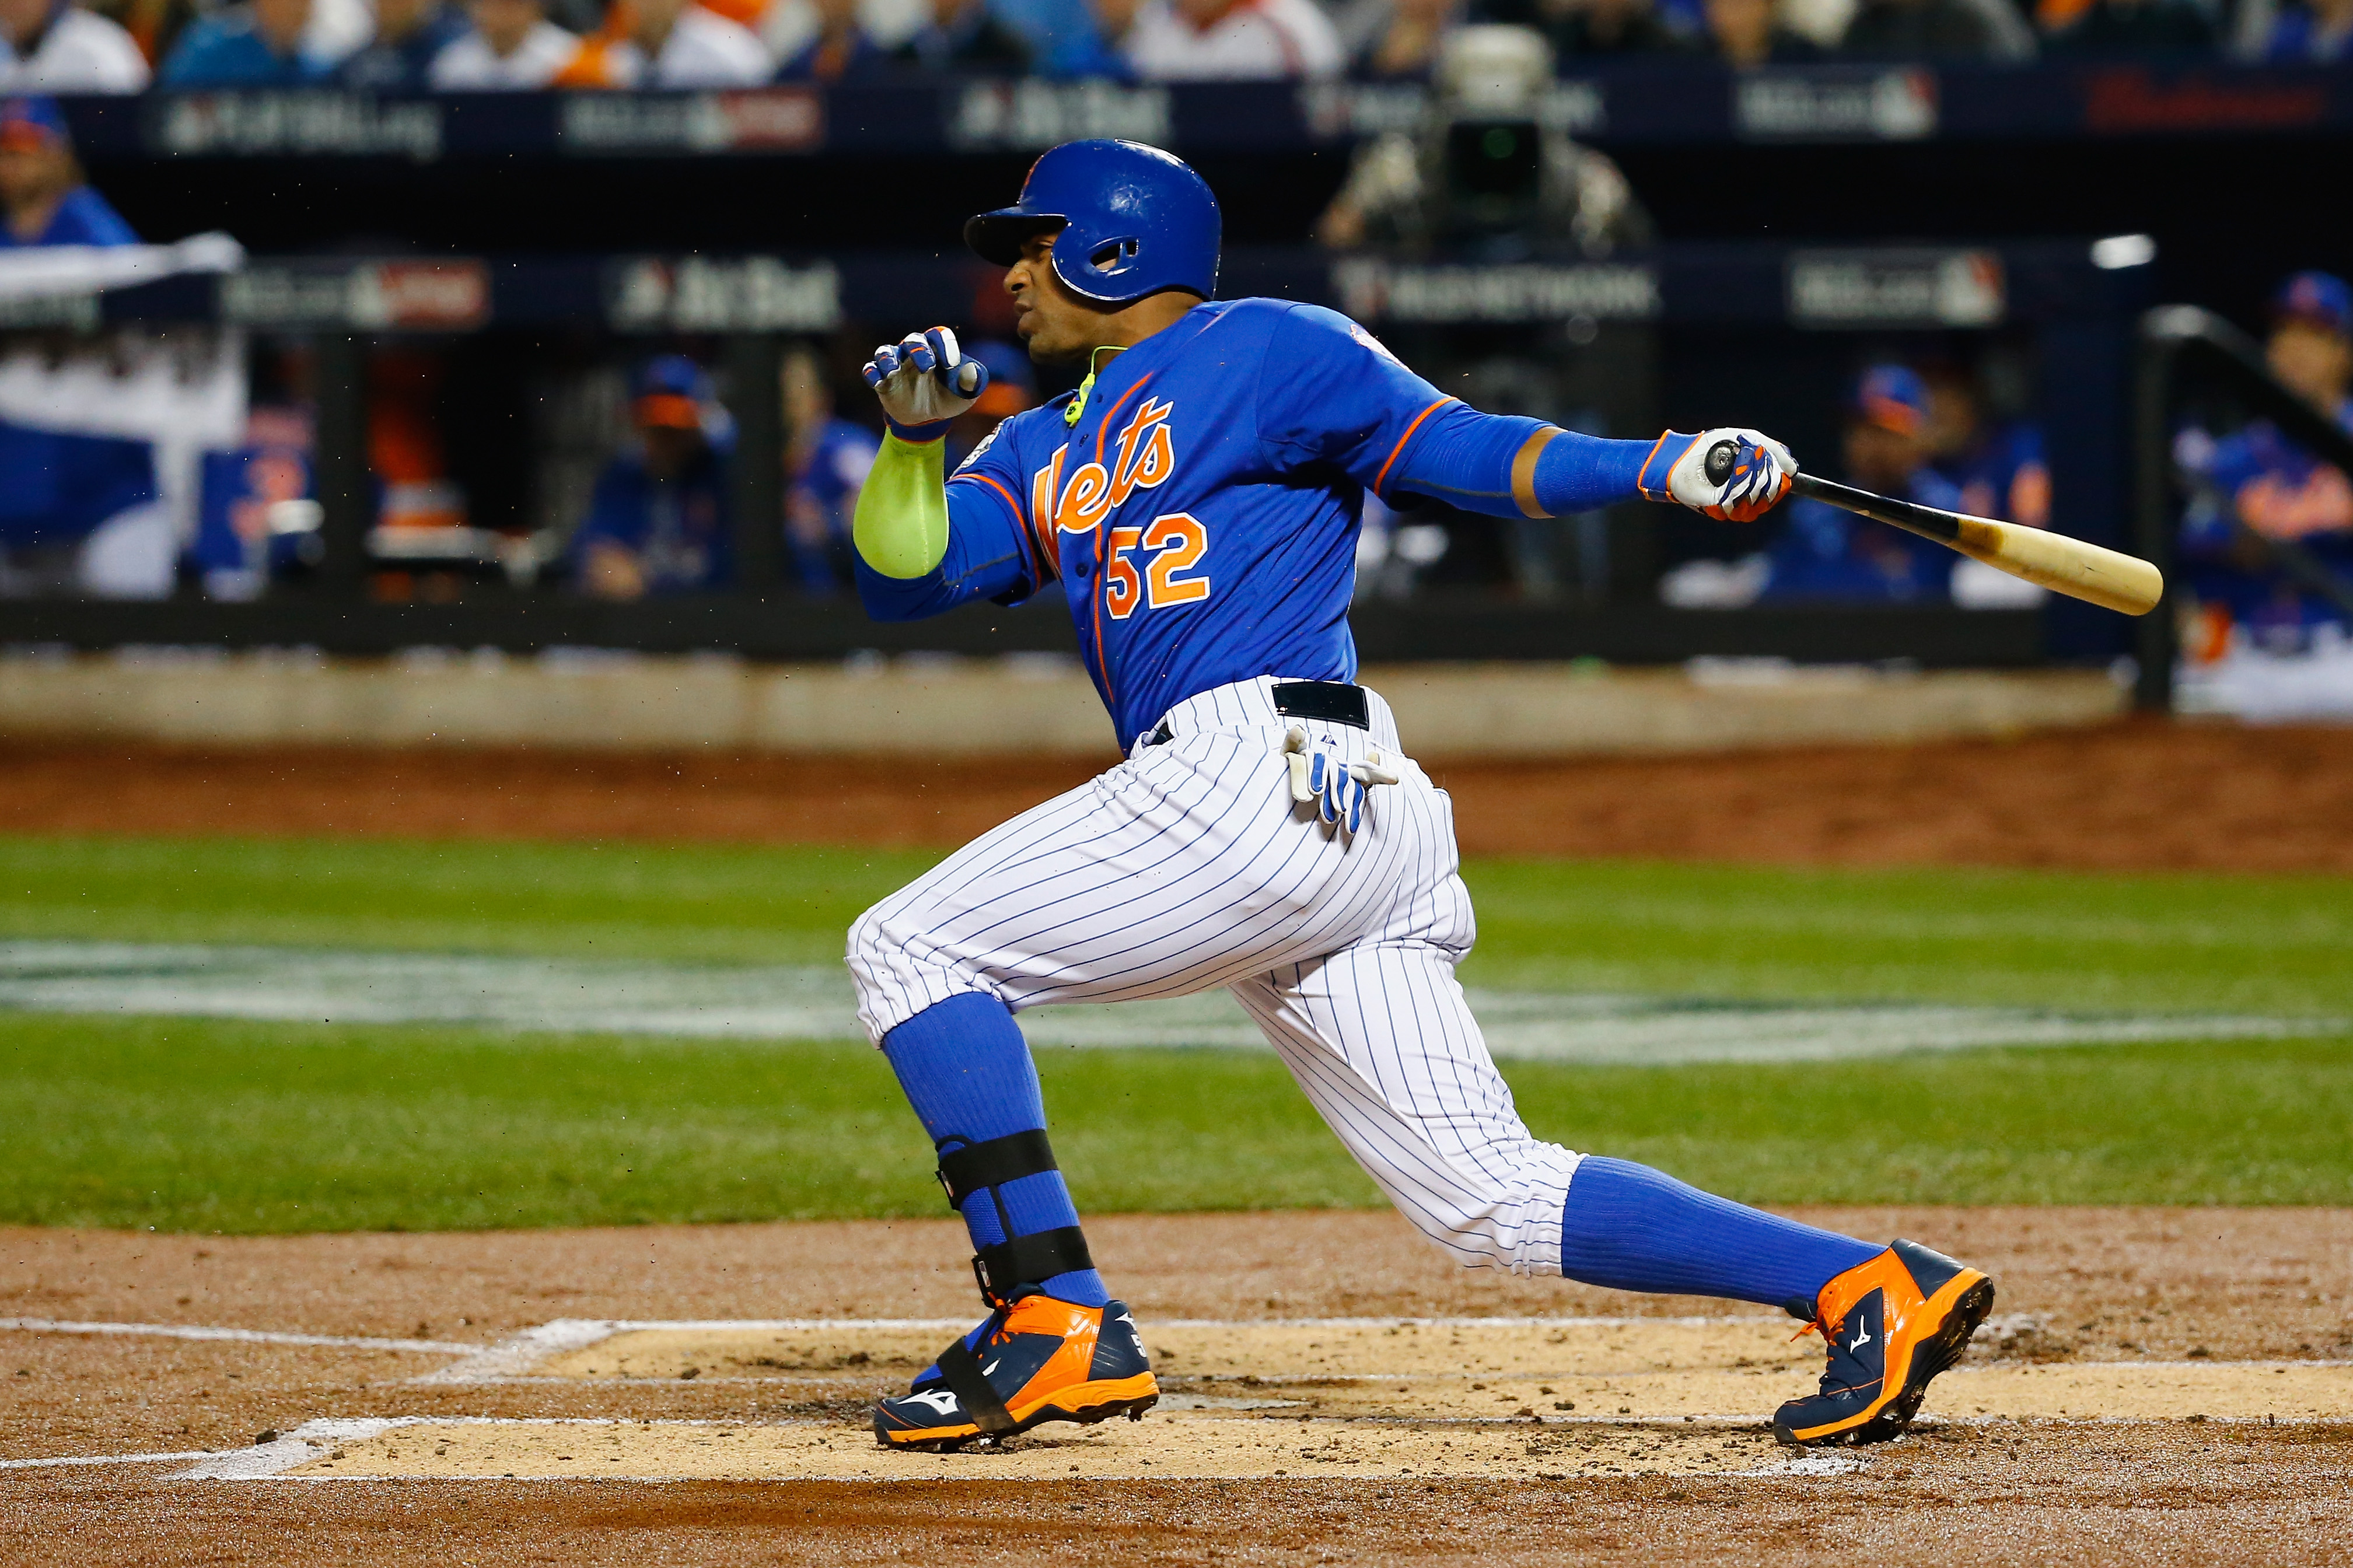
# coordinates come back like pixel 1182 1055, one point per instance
pixel 1044 568
pixel 1383 477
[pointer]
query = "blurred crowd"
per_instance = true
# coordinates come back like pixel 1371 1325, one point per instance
pixel 410 45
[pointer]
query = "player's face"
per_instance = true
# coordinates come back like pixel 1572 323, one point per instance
pixel 1882 460
pixel 1058 326
pixel 2311 359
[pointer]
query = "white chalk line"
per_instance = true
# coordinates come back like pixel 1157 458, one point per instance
pixel 510 1359
pixel 233 1336
pixel 105 1460
pixel 313 1439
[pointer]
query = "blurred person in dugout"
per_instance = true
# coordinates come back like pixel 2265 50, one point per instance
pixel 1233 40
pixel 409 35
pixel 2261 488
pixel 1888 447
pixel 257 44
pixel 1996 465
pixel 825 464
pixel 41 186
pixel 673 44
pixel 49 46
pixel 78 513
pixel 510 45
pixel 661 519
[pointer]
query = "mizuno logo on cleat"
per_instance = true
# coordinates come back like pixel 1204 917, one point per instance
pixel 939 1399
pixel 1862 1336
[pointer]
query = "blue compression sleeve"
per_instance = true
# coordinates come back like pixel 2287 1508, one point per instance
pixel 1628 1228
pixel 1464 458
pixel 966 1070
pixel 1585 473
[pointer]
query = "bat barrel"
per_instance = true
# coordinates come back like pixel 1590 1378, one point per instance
pixel 2080 570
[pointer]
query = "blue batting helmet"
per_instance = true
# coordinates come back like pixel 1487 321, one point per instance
pixel 1130 220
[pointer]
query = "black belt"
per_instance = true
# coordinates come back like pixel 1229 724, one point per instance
pixel 1333 701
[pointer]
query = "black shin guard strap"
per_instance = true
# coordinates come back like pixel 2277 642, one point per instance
pixel 1030 1260
pixel 971 1387
pixel 967 1170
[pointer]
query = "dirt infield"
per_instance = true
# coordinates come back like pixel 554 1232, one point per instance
pixel 2133 795
pixel 2157 1384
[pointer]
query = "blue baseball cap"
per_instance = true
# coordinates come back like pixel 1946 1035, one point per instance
pixel 32 121
pixel 671 390
pixel 2322 299
pixel 1892 397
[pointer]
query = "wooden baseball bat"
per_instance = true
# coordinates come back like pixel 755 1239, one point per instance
pixel 2106 577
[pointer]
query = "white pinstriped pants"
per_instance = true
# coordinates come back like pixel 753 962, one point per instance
pixel 1190 867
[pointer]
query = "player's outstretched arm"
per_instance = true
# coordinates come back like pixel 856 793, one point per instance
pixel 1512 467
pixel 918 551
pixel 1330 393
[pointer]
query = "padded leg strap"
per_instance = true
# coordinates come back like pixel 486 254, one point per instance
pixel 972 1391
pixel 1029 1260
pixel 966 1170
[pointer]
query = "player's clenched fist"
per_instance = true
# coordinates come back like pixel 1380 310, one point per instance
pixel 1733 476
pixel 923 379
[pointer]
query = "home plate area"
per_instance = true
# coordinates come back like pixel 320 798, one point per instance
pixel 1508 1399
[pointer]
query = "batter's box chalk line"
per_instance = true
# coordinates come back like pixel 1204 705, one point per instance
pixel 512 1359
pixel 319 1439
pixel 233 1336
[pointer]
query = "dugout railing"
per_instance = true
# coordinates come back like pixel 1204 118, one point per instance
pixel 2181 346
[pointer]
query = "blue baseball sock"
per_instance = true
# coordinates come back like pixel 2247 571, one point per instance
pixel 1630 1228
pixel 966 1070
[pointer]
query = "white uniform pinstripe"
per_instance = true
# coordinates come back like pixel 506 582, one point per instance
pixel 1190 867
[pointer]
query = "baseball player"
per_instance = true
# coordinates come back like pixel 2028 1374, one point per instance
pixel 1197 502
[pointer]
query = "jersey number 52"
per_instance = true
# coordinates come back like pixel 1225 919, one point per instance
pixel 1175 543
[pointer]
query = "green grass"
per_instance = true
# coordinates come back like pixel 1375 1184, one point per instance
pixel 2175 942
pixel 238 1127
pixel 684 903
pixel 207 1125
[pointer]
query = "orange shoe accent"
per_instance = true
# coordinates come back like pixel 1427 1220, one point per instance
pixel 1911 1311
pixel 1046 1361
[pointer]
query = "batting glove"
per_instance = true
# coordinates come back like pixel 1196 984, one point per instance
pixel 1338 789
pixel 925 381
pixel 1732 476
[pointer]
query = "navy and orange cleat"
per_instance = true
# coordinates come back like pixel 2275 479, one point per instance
pixel 1036 1360
pixel 1893 1323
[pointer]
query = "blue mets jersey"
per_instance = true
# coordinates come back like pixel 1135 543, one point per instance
pixel 1201 512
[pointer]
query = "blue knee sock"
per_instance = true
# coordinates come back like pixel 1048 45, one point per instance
pixel 1630 1228
pixel 967 1072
